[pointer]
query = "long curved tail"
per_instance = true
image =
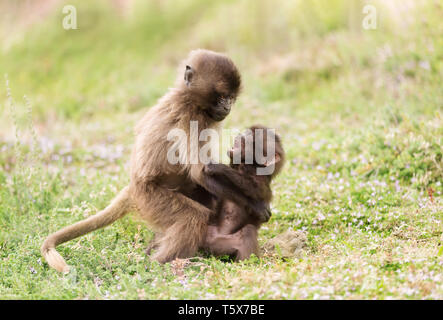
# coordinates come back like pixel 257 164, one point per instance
pixel 120 206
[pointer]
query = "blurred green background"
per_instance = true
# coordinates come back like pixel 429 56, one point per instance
pixel 359 112
pixel 123 55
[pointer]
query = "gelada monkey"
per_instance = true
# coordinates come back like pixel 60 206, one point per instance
pixel 233 230
pixel 163 194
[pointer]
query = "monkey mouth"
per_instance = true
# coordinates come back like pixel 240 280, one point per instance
pixel 217 116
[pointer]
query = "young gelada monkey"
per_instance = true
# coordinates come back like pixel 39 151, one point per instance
pixel 233 231
pixel 161 192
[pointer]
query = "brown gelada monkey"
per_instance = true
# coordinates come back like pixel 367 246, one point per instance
pixel 233 230
pixel 173 198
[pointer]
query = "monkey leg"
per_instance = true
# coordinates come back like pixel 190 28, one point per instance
pixel 220 244
pixel 242 243
pixel 181 221
pixel 153 244
pixel 224 189
pixel 250 243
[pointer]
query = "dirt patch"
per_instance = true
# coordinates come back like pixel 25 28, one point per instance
pixel 289 244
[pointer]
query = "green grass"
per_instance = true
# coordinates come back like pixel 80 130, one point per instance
pixel 359 112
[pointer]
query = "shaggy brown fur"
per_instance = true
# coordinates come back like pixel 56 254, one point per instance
pixel 233 231
pixel 162 193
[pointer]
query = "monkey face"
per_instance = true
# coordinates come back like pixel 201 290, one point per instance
pixel 212 82
pixel 238 149
pixel 244 150
pixel 220 106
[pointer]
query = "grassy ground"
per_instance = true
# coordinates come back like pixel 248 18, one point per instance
pixel 359 111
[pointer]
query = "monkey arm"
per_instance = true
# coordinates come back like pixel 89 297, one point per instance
pixel 233 180
pixel 225 189
pixel 247 186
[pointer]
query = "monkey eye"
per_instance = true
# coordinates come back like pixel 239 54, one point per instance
pixel 225 97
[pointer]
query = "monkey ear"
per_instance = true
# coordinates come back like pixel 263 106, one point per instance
pixel 273 161
pixel 188 75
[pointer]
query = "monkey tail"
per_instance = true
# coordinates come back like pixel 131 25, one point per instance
pixel 120 206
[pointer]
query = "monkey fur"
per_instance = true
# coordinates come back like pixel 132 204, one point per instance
pixel 233 230
pixel 160 192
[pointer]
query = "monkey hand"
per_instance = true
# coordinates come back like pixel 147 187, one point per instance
pixel 210 168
